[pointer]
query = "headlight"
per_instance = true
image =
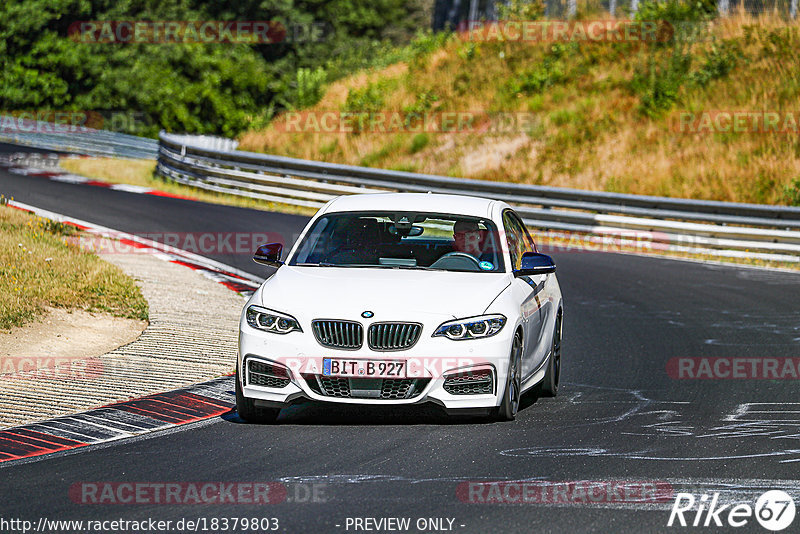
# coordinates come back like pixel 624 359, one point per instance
pixel 471 328
pixel 271 321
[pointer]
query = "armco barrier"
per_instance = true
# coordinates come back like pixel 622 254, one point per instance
pixel 708 227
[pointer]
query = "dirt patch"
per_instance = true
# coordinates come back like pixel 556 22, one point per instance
pixel 491 155
pixel 64 334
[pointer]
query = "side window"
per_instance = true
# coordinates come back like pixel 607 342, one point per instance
pixel 515 238
pixel 530 245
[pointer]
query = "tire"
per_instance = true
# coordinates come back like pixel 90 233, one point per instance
pixel 507 411
pixel 552 377
pixel 247 409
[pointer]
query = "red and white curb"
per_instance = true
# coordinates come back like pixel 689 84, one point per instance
pixel 52 172
pixel 119 421
pixel 140 416
pixel 231 277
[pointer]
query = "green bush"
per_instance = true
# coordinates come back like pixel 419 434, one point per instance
pixel 667 71
pixel 676 12
pixel 667 65
pixel 369 99
pixel 426 42
pixel 425 101
pixel 659 81
pixel 549 72
pixel 419 142
pixel 521 10
pixel 468 51
pixel 197 88
pixel 309 87
pixel 719 61
pixel 791 192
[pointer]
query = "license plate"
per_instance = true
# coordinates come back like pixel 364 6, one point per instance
pixel 364 368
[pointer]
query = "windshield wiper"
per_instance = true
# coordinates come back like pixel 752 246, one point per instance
pixel 364 266
pixel 321 264
pixel 406 267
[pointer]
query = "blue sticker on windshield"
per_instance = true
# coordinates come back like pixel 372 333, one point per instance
pixel 486 265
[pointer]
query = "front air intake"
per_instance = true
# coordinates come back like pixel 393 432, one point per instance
pixel 473 382
pixel 348 335
pixel 393 336
pixel 266 374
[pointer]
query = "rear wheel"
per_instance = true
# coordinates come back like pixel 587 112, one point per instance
pixel 507 411
pixel 247 409
pixel 552 377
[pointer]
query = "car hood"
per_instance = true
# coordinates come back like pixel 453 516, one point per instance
pixel 391 294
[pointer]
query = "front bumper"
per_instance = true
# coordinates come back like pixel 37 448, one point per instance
pixel 457 375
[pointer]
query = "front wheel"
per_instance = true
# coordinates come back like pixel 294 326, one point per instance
pixel 507 411
pixel 552 377
pixel 247 409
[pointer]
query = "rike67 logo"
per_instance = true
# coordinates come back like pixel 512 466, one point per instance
pixel 774 510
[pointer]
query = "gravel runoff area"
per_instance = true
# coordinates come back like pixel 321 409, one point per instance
pixel 192 337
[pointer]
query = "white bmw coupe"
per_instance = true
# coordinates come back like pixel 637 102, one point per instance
pixel 403 298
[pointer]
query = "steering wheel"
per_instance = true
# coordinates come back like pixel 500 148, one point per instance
pixel 457 260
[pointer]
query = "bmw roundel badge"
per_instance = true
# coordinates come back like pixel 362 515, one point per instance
pixel 367 314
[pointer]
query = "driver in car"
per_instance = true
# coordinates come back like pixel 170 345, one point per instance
pixel 469 238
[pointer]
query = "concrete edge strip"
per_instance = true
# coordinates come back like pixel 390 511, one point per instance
pixel 119 420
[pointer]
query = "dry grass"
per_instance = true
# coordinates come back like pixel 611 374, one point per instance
pixel 140 172
pixel 38 269
pixel 589 130
pixel 116 171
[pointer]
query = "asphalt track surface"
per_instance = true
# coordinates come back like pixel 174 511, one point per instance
pixel 618 417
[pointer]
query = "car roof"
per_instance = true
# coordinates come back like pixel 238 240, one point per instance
pixel 419 202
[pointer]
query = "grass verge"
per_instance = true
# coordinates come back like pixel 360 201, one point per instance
pixel 39 268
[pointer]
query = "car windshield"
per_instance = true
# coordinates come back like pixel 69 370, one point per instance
pixel 403 240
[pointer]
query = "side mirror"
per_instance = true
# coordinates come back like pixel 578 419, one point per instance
pixel 534 263
pixel 269 254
